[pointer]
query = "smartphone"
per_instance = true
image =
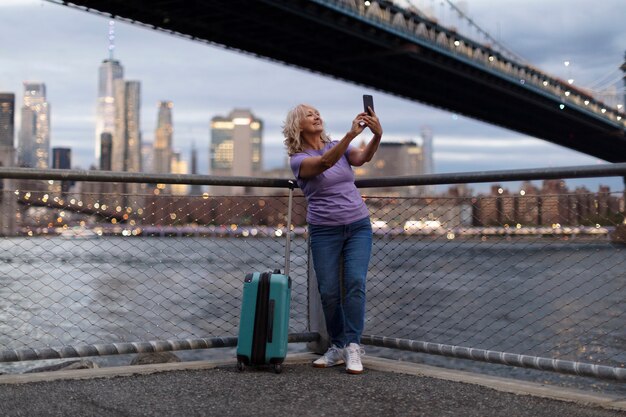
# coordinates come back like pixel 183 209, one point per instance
pixel 368 101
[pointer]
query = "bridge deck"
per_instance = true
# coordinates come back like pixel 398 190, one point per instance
pixel 217 388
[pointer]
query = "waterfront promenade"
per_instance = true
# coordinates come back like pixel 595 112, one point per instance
pixel 387 388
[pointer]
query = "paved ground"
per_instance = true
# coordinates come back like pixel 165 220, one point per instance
pixel 299 390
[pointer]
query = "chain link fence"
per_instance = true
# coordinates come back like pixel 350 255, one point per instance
pixel 539 274
pixel 109 268
pixel 543 280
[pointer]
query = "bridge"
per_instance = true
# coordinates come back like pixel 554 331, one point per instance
pixel 401 52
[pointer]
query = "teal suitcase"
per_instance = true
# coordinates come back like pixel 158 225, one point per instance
pixel 264 321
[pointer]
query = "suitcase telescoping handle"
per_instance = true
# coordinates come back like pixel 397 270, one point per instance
pixel 288 237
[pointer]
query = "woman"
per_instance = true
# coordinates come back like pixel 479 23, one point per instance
pixel 339 224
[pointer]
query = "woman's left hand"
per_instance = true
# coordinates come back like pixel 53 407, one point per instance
pixel 358 125
pixel 371 121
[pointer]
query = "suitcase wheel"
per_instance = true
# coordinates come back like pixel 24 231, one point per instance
pixel 278 367
pixel 241 366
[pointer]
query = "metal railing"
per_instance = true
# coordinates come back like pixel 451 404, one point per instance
pixel 530 280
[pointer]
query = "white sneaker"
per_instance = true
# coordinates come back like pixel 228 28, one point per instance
pixel 352 355
pixel 332 357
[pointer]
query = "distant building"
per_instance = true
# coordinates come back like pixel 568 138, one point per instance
pixel 236 148
pixel 8 202
pixel 553 205
pixel 394 159
pixel 106 149
pixel 126 146
pixel 126 152
pixel 196 189
pixel 147 157
pixel 7 119
pixel 163 139
pixel 553 187
pixel 7 129
pixel 459 191
pixel 179 166
pixel 34 136
pixel 283 172
pixel 528 206
pixel 62 159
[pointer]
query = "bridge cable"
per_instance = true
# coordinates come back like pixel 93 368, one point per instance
pixel 611 75
pixel 487 35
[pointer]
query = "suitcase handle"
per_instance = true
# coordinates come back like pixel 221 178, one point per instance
pixel 288 234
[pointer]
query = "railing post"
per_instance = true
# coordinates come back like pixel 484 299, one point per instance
pixel 288 236
pixel 315 313
pixel 624 198
pixel 317 324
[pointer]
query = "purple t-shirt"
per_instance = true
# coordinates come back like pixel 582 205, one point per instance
pixel 332 196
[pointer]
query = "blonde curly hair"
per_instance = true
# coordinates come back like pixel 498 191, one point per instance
pixel 293 132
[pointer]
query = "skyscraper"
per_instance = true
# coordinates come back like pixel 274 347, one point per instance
pixel 126 146
pixel 34 136
pixel 163 139
pixel 126 149
pixel 110 70
pixel 236 147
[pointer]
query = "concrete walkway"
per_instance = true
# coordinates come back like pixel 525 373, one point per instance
pixel 387 388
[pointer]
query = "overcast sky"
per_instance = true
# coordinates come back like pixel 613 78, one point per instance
pixel 63 47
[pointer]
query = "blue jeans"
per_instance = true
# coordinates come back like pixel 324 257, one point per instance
pixel 352 243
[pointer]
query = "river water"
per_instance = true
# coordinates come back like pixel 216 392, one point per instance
pixel 540 297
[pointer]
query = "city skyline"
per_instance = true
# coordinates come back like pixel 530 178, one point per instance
pixel 594 46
